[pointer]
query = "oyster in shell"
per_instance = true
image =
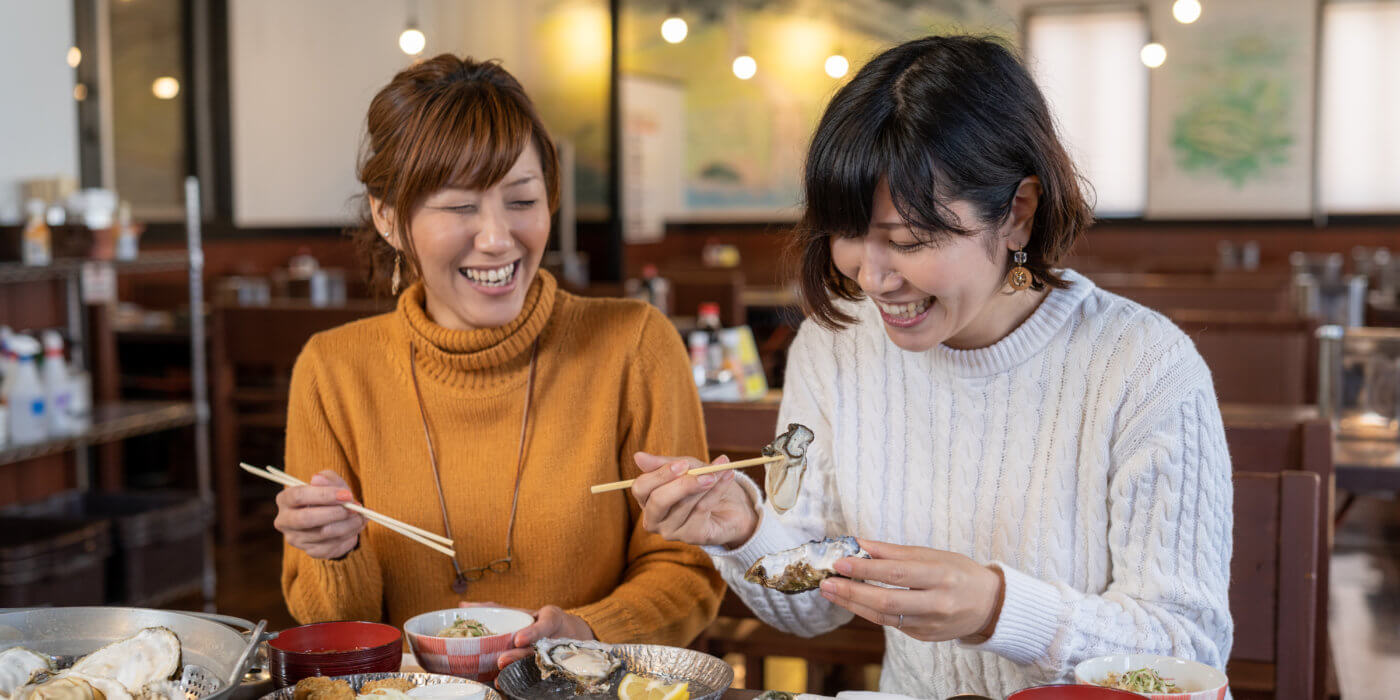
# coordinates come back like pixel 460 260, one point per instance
pixel 803 568
pixel 782 480
pixel 72 685
pixel 153 654
pixel 19 667
pixel 588 665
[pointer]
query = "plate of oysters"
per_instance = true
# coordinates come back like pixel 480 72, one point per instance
pixel 567 669
pixel 145 666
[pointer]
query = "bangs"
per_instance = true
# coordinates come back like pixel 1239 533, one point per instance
pixel 471 137
pixel 847 160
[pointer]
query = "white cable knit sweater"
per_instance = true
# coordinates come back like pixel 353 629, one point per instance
pixel 1084 453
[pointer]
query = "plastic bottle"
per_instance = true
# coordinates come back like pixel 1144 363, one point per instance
pixel 36 246
pixel 302 265
pixel 708 322
pixel 58 386
pixel 128 239
pixel 28 417
pixel 656 288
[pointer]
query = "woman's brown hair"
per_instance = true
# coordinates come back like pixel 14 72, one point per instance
pixel 447 121
pixel 943 117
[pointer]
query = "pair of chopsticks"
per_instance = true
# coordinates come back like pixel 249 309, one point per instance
pixel 620 485
pixel 417 534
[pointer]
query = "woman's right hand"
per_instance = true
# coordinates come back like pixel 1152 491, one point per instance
pixel 710 509
pixel 314 519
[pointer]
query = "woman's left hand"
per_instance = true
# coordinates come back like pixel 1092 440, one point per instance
pixel 550 621
pixel 949 596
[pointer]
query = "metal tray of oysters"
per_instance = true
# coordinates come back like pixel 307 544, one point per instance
pixel 564 669
pixel 418 686
pixel 107 653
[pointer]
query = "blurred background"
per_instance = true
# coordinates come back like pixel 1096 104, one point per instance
pixel 176 177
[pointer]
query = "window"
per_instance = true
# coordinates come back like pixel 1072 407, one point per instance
pixel 1087 64
pixel 1359 160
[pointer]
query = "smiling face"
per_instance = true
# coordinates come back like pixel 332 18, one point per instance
pixel 949 291
pixel 479 250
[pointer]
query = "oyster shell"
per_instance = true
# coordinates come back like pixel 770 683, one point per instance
pixel 153 654
pixel 19 667
pixel 72 685
pixel 803 568
pixel 782 481
pixel 587 664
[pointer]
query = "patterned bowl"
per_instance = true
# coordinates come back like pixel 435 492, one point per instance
pixel 465 657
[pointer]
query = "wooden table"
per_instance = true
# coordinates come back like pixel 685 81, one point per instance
pixel 1367 465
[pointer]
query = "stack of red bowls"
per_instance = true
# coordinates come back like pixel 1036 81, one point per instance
pixel 334 649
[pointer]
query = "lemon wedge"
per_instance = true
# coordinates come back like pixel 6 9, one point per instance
pixel 635 687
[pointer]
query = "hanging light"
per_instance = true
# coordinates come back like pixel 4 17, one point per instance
pixel 75 56
pixel 80 92
pixel 674 29
pixel 1186 11
pixel 412 41
pixel 1153 55
pixel 165 88
pixel 837 65
pixel 745 67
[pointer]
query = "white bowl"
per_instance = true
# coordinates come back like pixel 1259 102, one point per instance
pixel 1197 680
pixel 468 657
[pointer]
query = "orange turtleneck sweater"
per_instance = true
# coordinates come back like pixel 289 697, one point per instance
pixel 612 379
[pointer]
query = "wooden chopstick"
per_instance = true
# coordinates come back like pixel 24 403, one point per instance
pixel 382 518
pixel 402 528
pixel 620 485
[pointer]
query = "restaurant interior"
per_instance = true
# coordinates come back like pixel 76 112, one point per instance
pixel 177 178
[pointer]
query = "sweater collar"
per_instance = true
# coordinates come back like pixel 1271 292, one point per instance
pixel 472 357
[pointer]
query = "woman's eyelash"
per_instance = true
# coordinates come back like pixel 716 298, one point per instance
pixel 525 202
pixel 908 247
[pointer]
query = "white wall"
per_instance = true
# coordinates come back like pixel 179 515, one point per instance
pixel 38 118
pixel 303 74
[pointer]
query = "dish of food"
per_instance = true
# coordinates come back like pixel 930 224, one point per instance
pixel 465 627
pixel 567 669
pixel 385 686
pixel 139 667
pixel 1142 680
pixel 803 568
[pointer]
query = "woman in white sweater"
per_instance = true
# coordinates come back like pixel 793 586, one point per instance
pixel 1037 466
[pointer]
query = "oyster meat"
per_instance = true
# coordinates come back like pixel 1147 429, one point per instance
pixel 19 667
pixel 782 480
pixel 803 568
pixel 72 685
pixel 153 654
pixel 587 664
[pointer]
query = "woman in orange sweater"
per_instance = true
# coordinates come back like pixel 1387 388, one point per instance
pixel 488 401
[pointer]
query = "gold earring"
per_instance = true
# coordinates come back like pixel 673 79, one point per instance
pixel 1019 278
pixel 397 280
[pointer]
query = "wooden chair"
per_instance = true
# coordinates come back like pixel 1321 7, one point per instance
pixel 1274 596
pixel 1258 358
pixel 254 349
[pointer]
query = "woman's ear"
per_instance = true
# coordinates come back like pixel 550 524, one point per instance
pixel 383 216
pixel 1023 206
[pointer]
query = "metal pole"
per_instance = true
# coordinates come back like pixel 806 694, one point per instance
pixel 199 375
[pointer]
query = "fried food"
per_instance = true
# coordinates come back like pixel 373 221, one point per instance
pixel 403 685
pixel 320 688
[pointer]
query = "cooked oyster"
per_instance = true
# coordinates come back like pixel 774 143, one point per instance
pixel 783 480
pixel 803 568
pixel 588 665
pixel 153 654
pixel 72 685
pixel 18 667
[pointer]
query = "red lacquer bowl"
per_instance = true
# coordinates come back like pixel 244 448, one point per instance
pixel 1072 692
pixel 334 649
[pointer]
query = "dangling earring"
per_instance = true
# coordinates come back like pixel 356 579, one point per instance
pixel 1019 278
pixel 397 279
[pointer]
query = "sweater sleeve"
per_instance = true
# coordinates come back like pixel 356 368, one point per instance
pixel 317 590
pixel 817 512
pixel 1169 539
pixel 669 591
